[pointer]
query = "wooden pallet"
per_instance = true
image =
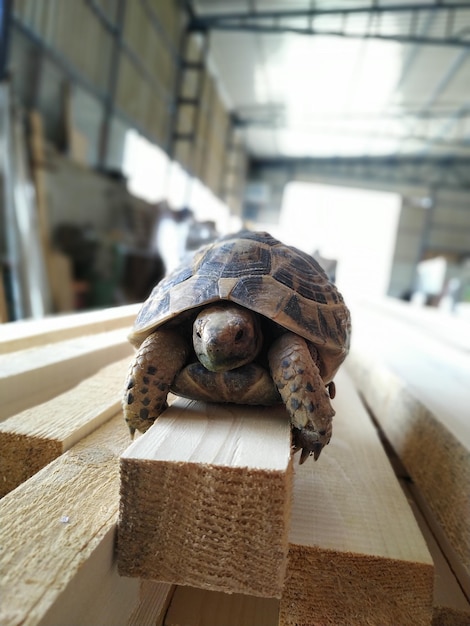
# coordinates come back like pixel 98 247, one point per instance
pixel 350 550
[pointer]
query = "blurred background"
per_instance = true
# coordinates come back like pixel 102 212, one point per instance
pixel 134 131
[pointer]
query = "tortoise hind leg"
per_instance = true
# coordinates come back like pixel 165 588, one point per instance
pixel 160 357
pixel 303 392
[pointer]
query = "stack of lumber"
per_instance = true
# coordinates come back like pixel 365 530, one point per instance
pixel 412 367
pixel 205 520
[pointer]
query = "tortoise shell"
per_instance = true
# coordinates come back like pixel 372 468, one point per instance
pixel 258 272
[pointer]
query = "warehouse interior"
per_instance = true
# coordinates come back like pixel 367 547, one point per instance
pixel 133 132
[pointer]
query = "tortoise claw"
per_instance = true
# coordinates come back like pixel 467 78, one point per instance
pixel 306 453
pixel 308 441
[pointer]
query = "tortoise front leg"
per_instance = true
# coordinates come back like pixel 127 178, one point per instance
pixel 303 392
pixel 160 357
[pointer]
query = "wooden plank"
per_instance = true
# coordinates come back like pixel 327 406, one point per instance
pixel 57 535
pixel 33 438
pixel 29 377
pixel 416 385
pixel 3 300
pixel 63 295
pixel 356 554
pixel 198 607
pixel 446 326
pixel 450 606
pixel 153 604
pixel 205 497
pixel 39 332
pixel 38 159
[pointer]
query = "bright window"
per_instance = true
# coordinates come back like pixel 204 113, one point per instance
pixel 354 226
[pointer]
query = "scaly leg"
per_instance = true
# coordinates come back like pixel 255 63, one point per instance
pixel 303 392
pixel 160 357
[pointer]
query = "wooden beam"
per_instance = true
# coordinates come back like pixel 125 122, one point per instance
pixel 450 606
pixel 33 438
pixel 198 607
pixel 43 222
pixel 57 536
pixel 205 498
pixel 3 300
pixel 29 377
pixel 153 604
pixel 39 332
pixel 356 555
pixel 449 328
pixel 415 382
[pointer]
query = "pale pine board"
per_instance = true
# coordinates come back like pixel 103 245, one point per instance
pixel 35 375
pixel 154 600
pixel 445 326
pixel 198 607
pixel 356 554
pixel 25 334
pixel 55 572
pixel 33 438
pixel 205 498
pixel 417 386
pixel 450 606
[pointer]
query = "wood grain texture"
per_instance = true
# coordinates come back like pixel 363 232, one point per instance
pixel 415 382
pixel 35 375
pixel 198 607
pixel 3 302
pixel 205 499
pixel 154 600
pixel 25 334
pixel 33 438
pixel 57 538
pixel 356 555
pixel 450 606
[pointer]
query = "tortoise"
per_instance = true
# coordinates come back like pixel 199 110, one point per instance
pixel 247 320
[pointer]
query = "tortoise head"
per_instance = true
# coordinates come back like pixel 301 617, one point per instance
pixel 226 336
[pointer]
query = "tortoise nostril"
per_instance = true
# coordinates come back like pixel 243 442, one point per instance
pixel 239 335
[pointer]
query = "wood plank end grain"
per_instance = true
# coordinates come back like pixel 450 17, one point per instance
pixel 205 499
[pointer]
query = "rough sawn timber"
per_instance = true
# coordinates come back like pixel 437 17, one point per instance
pixel 32 333
pixel 205 496
pixel 198 607
pixel 154 600
pixel 415 380
pixel 451 607
pixel 33 438
pixel 35 375
pixel 58 536
pixel 356 554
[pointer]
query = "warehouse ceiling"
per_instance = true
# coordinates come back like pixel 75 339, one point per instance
pixel 343 78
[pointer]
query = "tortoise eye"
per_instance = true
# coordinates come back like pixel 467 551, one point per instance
pixel 239 335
